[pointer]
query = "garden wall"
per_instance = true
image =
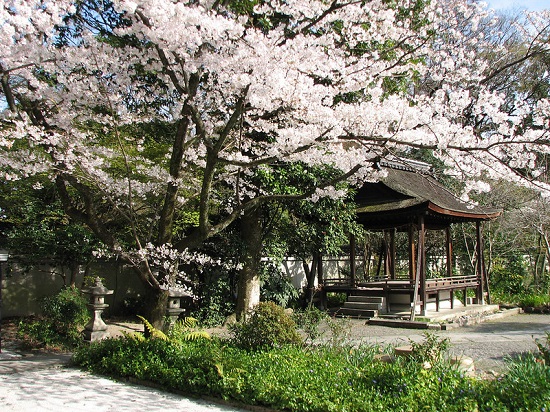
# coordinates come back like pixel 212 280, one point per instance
pixel 22 292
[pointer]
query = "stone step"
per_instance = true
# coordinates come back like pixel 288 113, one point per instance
pixel 366 299
pixel 363 305
pixel 357 313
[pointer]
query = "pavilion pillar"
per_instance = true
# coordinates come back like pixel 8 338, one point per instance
pixel 480 266
pixel 420 279
pixel 352 260
pixel 387 256
pixel 412 263
pixel 449 250
pixel 422 263
pixel 393 253
pixel 321 282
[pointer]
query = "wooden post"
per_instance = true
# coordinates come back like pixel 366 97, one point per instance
pixel 480 266
pixel 387 256
pixel 449 250
pixel 412 264
pixel 352 260
pixel 321 282
pixel 393 253
pixel 422 263
pixel 380 257
pixel 420 279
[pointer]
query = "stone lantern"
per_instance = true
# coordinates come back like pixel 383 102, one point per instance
pixel 174 308
pixel 96 329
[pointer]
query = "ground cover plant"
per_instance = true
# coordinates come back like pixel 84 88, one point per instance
pixel 60 324
pixel 322 377
pixel 529 301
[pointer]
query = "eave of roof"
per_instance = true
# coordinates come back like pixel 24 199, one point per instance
pixel 406 189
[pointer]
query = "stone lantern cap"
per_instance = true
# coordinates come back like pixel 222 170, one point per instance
pixel 178 293
pixel 98 289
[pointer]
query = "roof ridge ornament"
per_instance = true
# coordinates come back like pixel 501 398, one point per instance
pixel 402 163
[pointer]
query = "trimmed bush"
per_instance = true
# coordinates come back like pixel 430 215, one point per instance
pixel 266 326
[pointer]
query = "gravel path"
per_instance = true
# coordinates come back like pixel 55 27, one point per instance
pixel 488 343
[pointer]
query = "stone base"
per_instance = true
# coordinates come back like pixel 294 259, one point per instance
pixel 92 336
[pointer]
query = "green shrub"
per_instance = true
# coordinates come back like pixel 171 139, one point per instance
pixel 64 316
pixel 432 349
pixel 525 386
pixel 187 329
pixel 535 300
pixel 67 309
pixel 276 286
pixel 525 299
pixel 215 298
pixel 309 320
pixel 543 346
pixel 291 377
pixel 189 367
pixel 335 300
pixel 267 325
pixel 508 275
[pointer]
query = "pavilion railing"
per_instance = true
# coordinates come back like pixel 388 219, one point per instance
pixel 453 282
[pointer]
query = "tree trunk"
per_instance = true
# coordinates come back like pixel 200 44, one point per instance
pixel 75 268
pixel 156 304
pixel 248 294
pixel 310 278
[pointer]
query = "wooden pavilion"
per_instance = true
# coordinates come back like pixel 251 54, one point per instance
pixel 408 199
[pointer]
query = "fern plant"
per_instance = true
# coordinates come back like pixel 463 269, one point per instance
pixel 187 330
pixel 153 332
pixel 182 330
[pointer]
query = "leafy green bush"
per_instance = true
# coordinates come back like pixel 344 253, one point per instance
pixel 187 329
pixel 508 275
pixel 215 300
pixel 335 300
pixel 189 367
pixel 543 346
pixel 535 300
pixel 267 325
pixel 432 349
pixel 67 309
pixel 526 299
pixel 64 316
pixel 291 377
pixel 276 286
pixel 309 320
pixel 525 386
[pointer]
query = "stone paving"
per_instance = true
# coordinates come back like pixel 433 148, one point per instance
pixel 44 383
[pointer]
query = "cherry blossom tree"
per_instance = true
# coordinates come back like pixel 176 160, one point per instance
pixel 142 110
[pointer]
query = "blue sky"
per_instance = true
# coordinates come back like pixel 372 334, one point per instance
pixel 519 4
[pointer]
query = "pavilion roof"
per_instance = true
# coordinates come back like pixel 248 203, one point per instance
pixel 407 191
